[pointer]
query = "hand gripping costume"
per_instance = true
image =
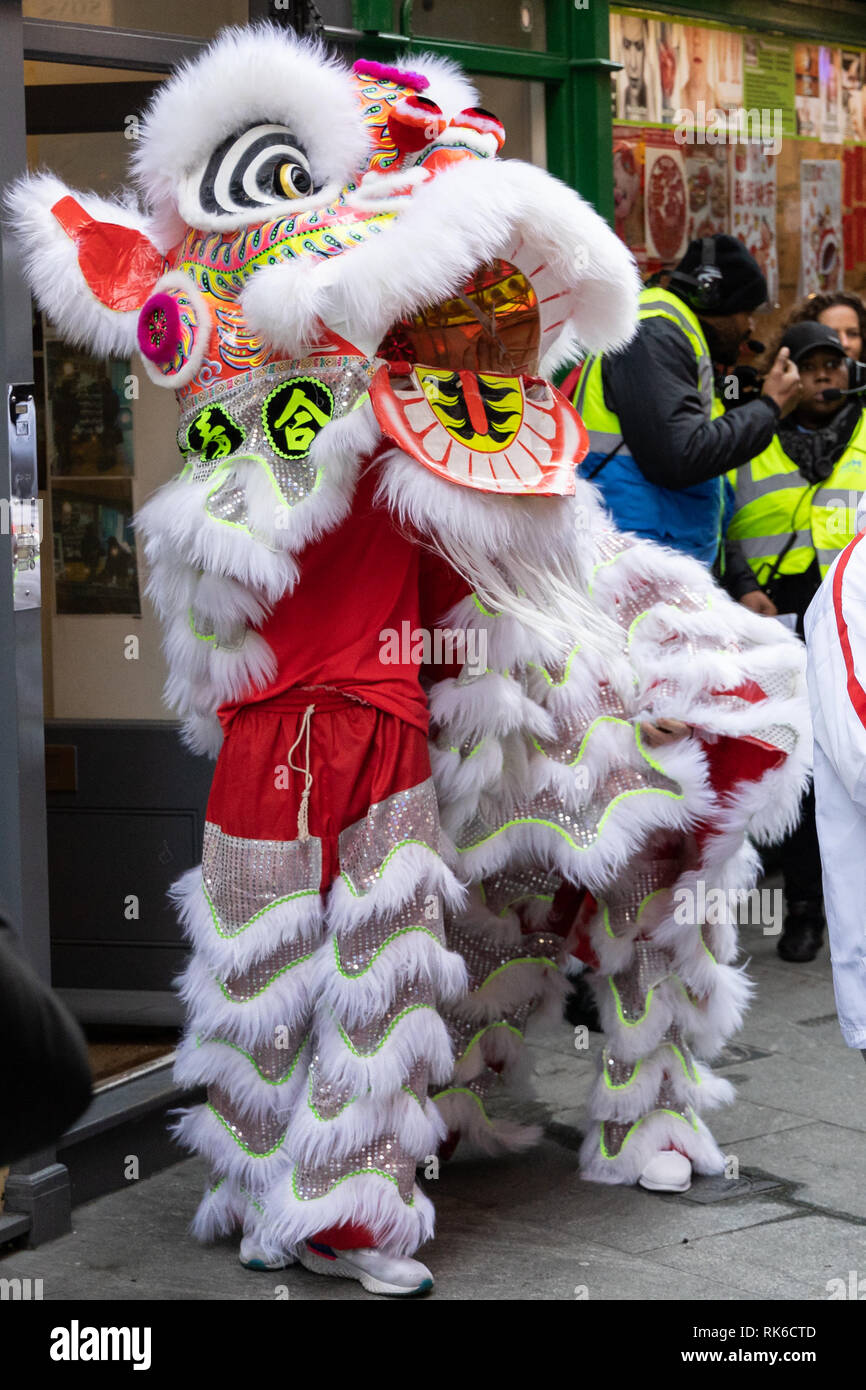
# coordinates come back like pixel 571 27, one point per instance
pixel 420 650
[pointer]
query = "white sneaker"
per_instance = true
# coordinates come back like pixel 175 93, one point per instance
pixel 669 1171
pixel 252 1256
pixel 377 1271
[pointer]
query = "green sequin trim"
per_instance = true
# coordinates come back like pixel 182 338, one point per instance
pixel 556 685
pixel 253 1153
pixel 464 1091
pixel 551 825
pixel 291 965
pixel 481 609
pixel 403 931
pixel 388 857
pixel 392 1025
pixel 224 1042
pixel 601 719
pixel 358 1173
pixel 488 1028
pixel 606 913
pixel 231 936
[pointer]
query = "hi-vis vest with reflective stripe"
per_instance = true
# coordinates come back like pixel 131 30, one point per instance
pixel 774 501
pixel 689 519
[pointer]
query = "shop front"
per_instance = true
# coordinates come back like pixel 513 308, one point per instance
pixel 753 125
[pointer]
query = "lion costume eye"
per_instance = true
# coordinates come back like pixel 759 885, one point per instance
pixel 253 169
pixel 293 179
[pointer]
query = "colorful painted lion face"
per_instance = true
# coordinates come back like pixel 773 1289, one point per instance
pixel 296 209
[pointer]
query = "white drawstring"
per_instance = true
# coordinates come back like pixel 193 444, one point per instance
pixel 304 808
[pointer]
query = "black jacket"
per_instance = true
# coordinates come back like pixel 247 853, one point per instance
pixel 652 386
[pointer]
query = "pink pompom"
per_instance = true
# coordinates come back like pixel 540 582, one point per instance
pixel 364 67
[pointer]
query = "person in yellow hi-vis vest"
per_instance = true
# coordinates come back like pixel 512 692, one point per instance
pixel 794 511
pixel 660 439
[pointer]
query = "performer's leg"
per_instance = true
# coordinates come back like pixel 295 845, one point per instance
pixel 666 991
pixel 255 918
pixel 800 859
pixel 364 1121
pixel 512 957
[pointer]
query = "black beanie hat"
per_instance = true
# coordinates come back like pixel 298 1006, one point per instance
pixel 743 287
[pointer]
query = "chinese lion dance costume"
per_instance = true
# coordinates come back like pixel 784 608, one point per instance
pixel 357 303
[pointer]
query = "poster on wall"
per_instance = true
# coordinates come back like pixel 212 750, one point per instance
pixel 670 65
pixel 854 205
pixel 637 86
pixel 707 185
pixel 711 72
pixel 852 94
pixel 95 565
pixel 753 209
pixel 89 419
pixel 665 198
pixel 807 98
pixel 830 94
pixel 821 257
pixel 628 189
pixel 768 78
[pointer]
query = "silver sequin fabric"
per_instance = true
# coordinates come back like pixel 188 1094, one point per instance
pixel 357 948
pixel 348 378
pixel 650 966
pixel 510 886
pixel 244 985
pixel 366 1039
pixel 245 878
pixel 258 1136
pixel 407 817
pixel 582 827
pixel 384 1156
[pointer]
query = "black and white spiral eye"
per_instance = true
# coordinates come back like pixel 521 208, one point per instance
pixel 257 168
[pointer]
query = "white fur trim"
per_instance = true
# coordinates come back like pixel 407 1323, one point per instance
pixel 178 280
pixel 410 870
pixel 658 1131
pixel 464 1113
pixel 51 264
pixel 417 1035
pixel 286 1002
pixel 299 918
pixel 261 73
pixel 419 1130
pixel 413 956
pixel 366 1199
pixel 200 1129
pixel 220 1063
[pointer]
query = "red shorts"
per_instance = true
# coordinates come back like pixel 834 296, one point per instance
pixel 358 756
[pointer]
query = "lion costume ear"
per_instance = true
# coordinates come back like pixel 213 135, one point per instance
pixel 90 262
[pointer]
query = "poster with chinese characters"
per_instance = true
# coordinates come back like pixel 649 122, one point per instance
pixel 753 209
pixel 854 204
pixel 665 198
pixel 707 182
pixel 821 258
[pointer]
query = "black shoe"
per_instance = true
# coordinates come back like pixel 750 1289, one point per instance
pixel 803 933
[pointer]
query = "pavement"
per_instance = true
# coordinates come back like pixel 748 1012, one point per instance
pixel 788 1222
